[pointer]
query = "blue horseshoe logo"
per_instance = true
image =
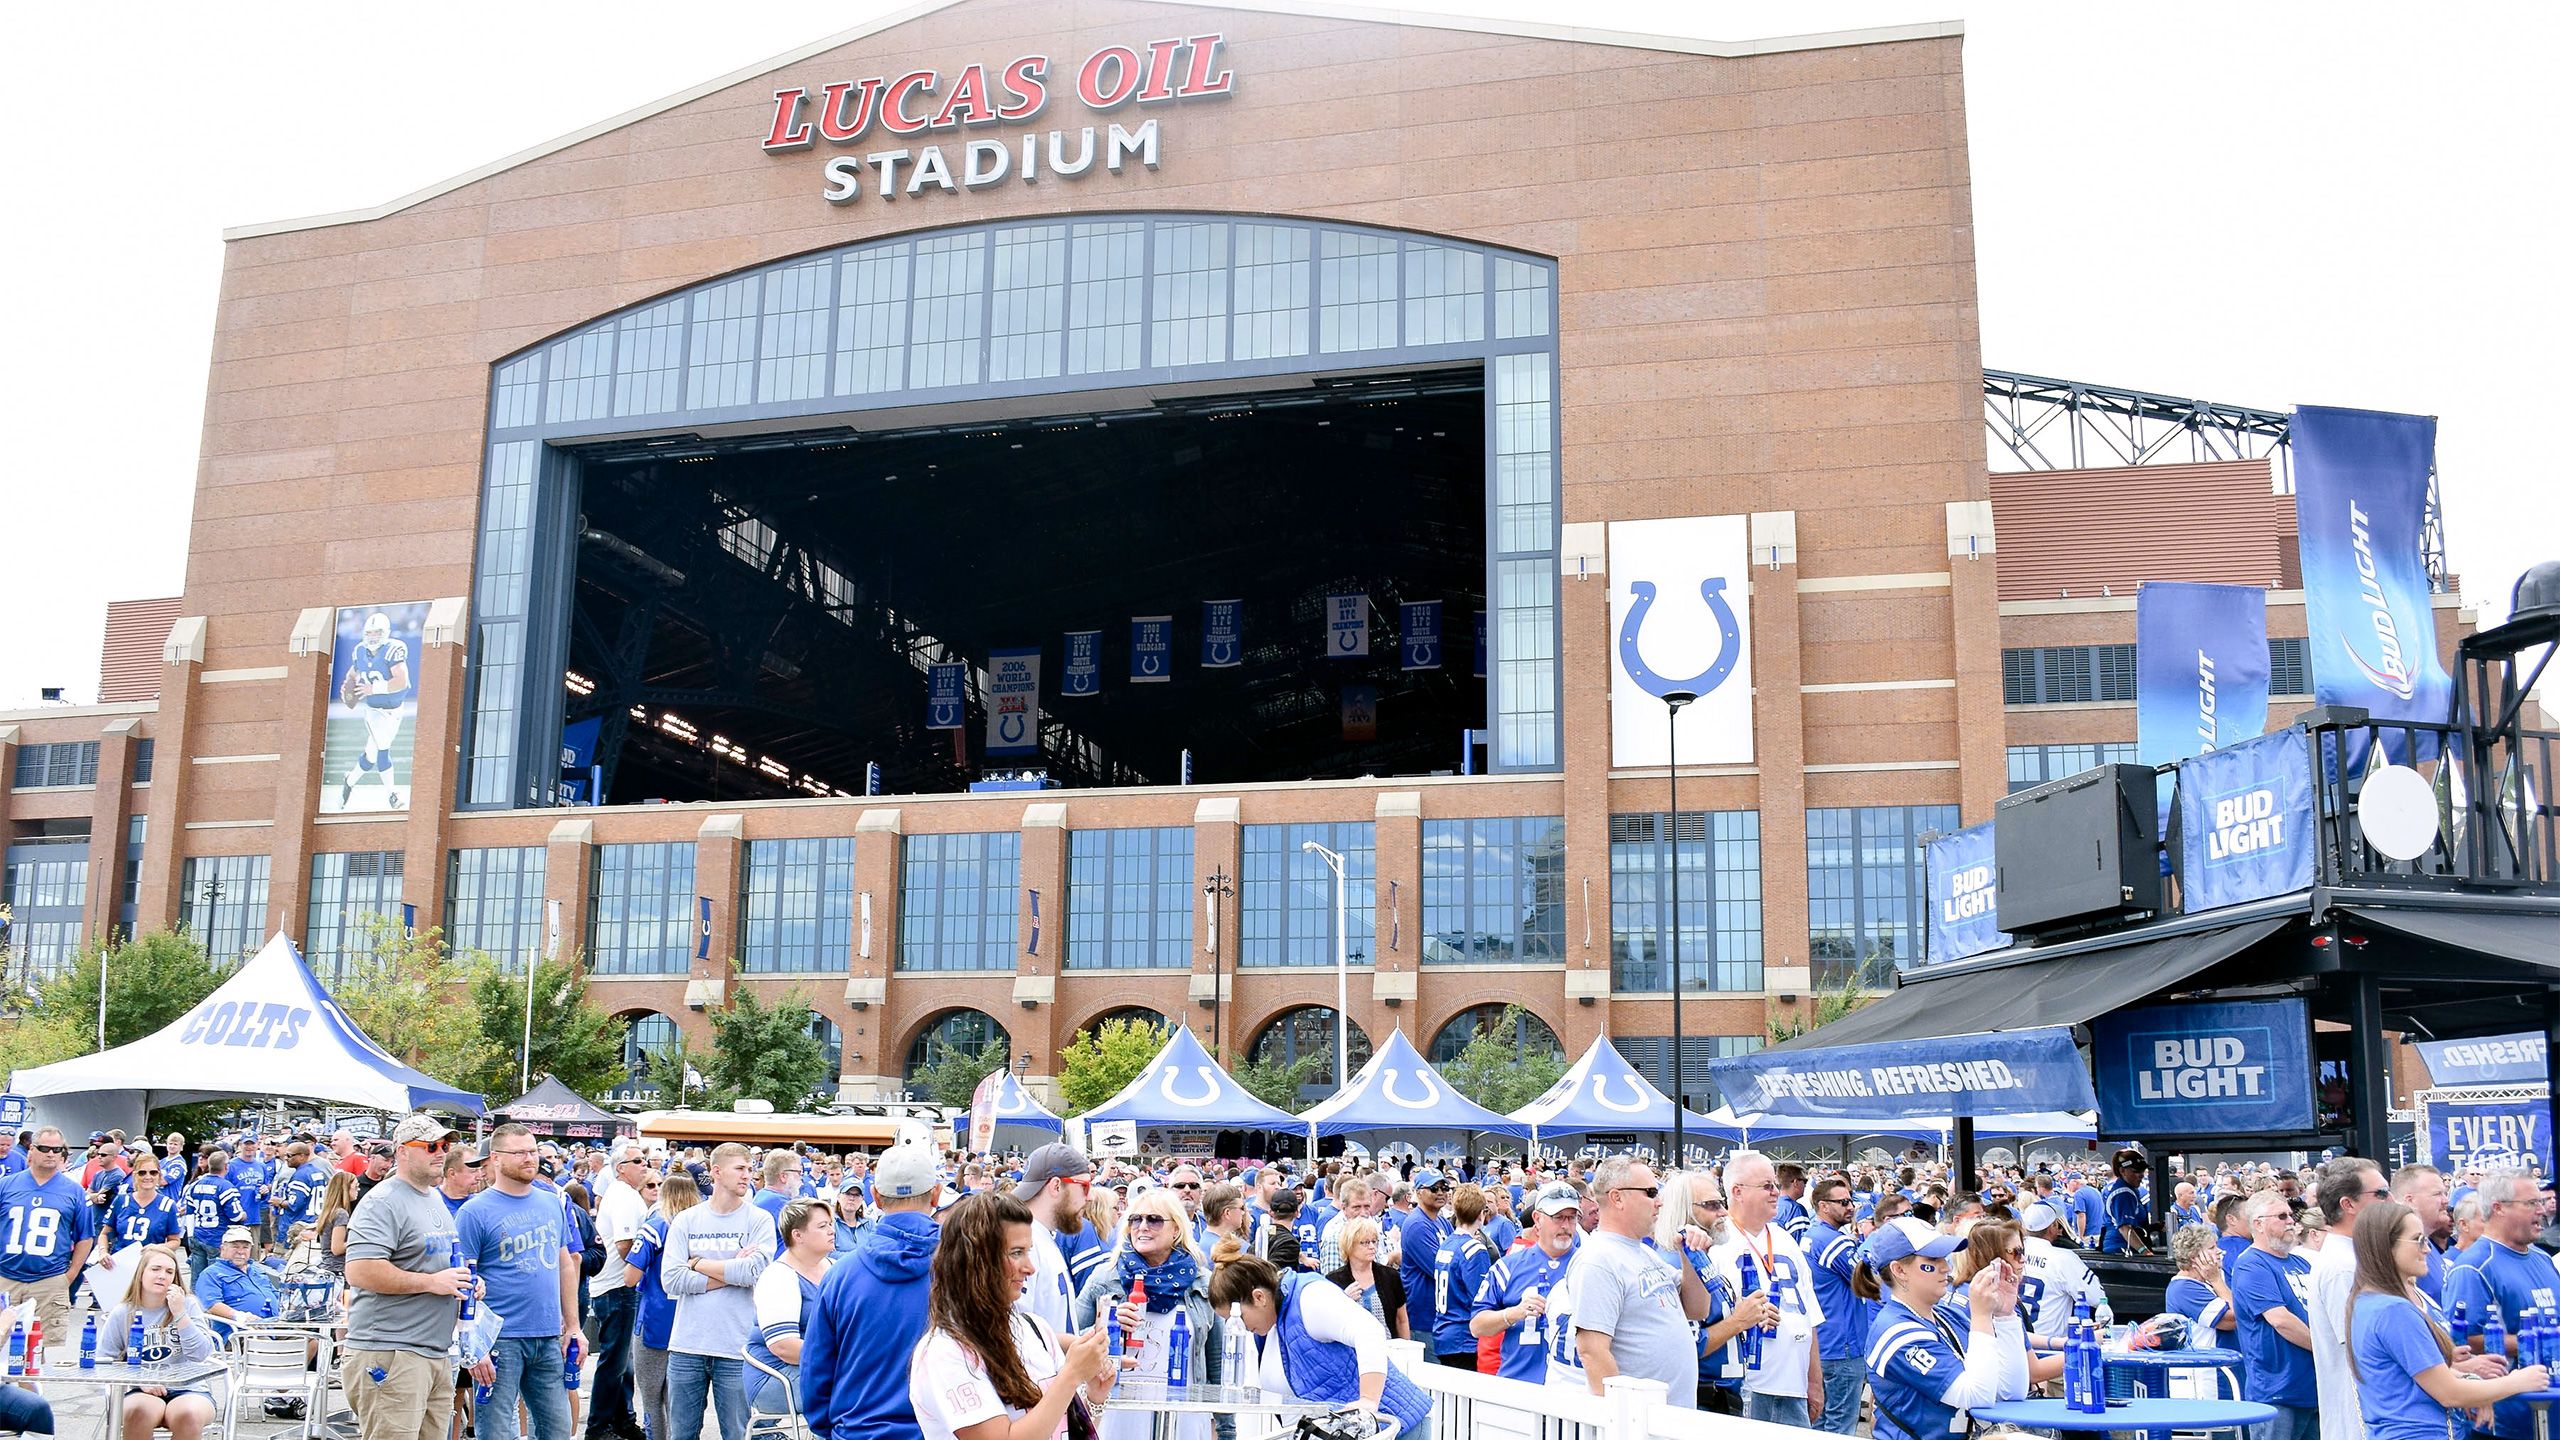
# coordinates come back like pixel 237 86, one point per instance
pixel 1010 728
pixel 1728 654
pixel 1348 637
pixel 1425 653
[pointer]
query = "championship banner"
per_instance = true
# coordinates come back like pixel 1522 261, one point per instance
pixel 2235 1068
pixel 1419 625
pixel 946 705
pixel 1346 626
pixel 1680 617
pixel 1480 646
pixel 2200 668
pixel 1083 672
pixel 1359 712
pixel 1964 916
pixel 2244 822
pixel 2360 501
pixel 1013 701
pixel 368 745
pixel 1150 649
pixel 2464 1133
pixel 2003 1073
pixel 1221 634
pixel 2489 1060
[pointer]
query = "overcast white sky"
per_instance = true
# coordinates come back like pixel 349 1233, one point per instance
pixel 2261 204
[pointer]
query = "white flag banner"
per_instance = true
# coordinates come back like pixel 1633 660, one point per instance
pixel 1680 613
pixel 1012 693
pixel 1346 626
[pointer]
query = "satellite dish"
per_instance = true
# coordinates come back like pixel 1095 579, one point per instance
pixel 2397 809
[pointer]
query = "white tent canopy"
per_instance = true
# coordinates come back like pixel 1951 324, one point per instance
pixel 268 1031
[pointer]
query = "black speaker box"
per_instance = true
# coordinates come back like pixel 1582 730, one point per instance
pixel 2079 852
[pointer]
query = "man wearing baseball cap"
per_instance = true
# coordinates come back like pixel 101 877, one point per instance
pixel 403 1294
pixel 1425 1231
pixel 2060 1277
pixel 1512 1301
pixel 1056 1182
pixel 857 1335
pixel 233 1288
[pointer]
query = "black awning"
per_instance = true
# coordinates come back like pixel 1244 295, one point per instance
pixel 2526 939
pixel 2026 993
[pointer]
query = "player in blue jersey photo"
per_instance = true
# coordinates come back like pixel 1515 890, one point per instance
pixel 375 687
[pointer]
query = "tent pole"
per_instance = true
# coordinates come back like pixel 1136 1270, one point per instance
pixel 1964 1178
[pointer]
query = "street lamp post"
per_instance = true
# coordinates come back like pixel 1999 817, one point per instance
pixel 1217 889
pixel 1673 702
pixel 1341 967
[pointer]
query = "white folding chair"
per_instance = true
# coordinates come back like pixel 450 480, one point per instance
pixel 773 1424
pixel 276 1364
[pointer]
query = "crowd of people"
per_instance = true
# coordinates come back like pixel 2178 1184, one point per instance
pixel 923 1293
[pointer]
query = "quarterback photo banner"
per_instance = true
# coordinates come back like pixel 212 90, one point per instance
pixel 371 738
pixel 1013 701
pixel 1083 672
pixel 1221 634
pixel 2200 668
pixel 1150 649
pixel 2360 501
pixel 946 700
pixel 1680 620
pixel 1420 627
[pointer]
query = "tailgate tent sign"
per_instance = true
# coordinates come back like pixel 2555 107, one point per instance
pixel 2237 1068
pixel 2244 822
pixel 1969 1075
pixel 2489 1060
pixel 2463 1133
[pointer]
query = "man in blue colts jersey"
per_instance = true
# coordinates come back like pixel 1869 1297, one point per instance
pixel 1424 1231
pixel 211 1204
pixel 1512 1299
pixel 300 1182
pixel 2502 1268
pixel 377 680
pixel 1841 1338
pixel 46 1224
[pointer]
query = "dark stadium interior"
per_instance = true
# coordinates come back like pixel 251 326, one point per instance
pixel 753 616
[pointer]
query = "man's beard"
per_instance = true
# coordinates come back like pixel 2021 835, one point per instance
pixel 1070 1220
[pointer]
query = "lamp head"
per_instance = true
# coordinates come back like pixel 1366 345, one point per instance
pixel 1677 699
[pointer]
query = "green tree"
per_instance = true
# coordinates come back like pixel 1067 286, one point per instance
pixel 399 988
pixel 574 1042
pixel 1099 1063
pixel 151 981
pixel 950 1075
pixel 1829 1004
pixel 677 1073
pixel 1496 1073
pixel 1276 1084
pixel 765 1051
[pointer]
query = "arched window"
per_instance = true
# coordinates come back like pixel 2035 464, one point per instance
pixel 967 1031
pixel 1526 1033
pixel 1307 1033
pixel 1139 1013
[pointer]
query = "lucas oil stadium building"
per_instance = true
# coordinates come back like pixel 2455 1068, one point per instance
pixel 948 518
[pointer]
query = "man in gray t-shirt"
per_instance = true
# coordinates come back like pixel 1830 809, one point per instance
pixel 403 1294
pixel 714 1254
pixel 1631 1304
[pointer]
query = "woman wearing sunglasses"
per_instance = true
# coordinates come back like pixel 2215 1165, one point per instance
pixel 1155 1247
pixel 1922 1371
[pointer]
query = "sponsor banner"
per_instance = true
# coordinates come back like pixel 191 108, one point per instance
pixel 1112 1137
pixel 2360 501
pixel 370 741
pixel 1964 916
pixel 1221 634
pixel 2489 1060
pixel 1419 623
pixel 1480 647
pixel 2244 822
pixel 1082 674
pixel 1680 608
pixel 578 775
pixel 2463 1133
pixel 1150 649
pixel 2201 668
pixel 1359 712
pixel 982 1111
pixel 1994 1074
pixel 1346 626
pixel 1012 690
pixel 2235 1068
pixel 946 705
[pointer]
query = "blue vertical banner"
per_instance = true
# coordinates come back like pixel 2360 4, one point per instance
pixel 1150 649
pixel 2200 668
pixel 2244 822
pixel 1082 674
pixel 2360 501
pixel 702 927
pixel 1013 701
pixel 1346 626
pixel 1419 624
pixel 946 705
pixel 1221 634
pixel 1964 914
pixel 1480 647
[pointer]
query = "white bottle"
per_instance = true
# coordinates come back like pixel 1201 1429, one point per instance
pixel 1240 1369
pixel 1533 1330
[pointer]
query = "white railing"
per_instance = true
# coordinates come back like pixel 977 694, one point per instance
pixel 1467 1406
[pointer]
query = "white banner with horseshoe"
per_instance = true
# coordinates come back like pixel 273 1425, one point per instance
pixel 1680 619
pixel 1012 690
pixel 1346 626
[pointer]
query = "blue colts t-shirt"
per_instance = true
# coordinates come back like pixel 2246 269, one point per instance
pixel 40 1224
pixel 2515 1281
pixel 515 1240
pixel 2275 1371
pixel 251 1176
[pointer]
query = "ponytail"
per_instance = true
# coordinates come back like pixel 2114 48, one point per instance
pixel 1866 1282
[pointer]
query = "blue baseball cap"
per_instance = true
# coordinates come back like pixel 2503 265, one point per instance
pixel 1427 1178
pixel 1900 1239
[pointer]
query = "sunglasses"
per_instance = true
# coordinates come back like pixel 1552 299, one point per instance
pixel 1137 1220
pixel 1185 1185
pixel 1650 1192
pixel 51 1149
pixel 1707 1204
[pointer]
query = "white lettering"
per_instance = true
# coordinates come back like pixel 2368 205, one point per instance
pixel 1140 142
pixel 886 162
pixel 2206 734
pixel 1058 165
pixel 931 170
pixel 2200 1067
pixel 984 162
pixel 844 180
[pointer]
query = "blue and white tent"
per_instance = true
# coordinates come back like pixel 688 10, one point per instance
pixel 1603 1092
pixel 268 1031
pixel 1183 1087
pixel 1398 1090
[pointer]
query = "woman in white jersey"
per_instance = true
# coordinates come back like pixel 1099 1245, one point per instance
pixel 985 1370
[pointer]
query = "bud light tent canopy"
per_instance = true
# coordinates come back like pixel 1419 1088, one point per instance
pixel 1183 1087
pixel 270 1031
pixel 1398 1090
pixel 1603 1092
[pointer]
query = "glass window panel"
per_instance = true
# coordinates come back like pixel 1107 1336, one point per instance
pixel 493 903
pixel 1190 294
pixel 871 331
pixel 348 890
pixel 1029 304
pixel 1107 298
pixel 1524 454
pixel 1493 891
pixel 799 906
pixel 792 358
pixel 519 393
pixel 1129 899
pixel 222 899
pixel 949 281
pixel 649 359
pixel 1288 893
pixel 640 920
pixel 1272 276
pixel 721 371
pixel 1863 870
pixel 581 376
pixel 960 901
pixel 47 887
pixel 1358 273
pixel 1519 299
pixel 1719 923
pixel 1444 295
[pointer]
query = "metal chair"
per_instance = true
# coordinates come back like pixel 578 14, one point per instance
pixel 275 1362
pixel 774 1424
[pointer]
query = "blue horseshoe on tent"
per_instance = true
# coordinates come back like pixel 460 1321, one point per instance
pixel 1728 653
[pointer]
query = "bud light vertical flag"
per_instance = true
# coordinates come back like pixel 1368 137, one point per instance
pixel 945 703
pixel 1346 626
pixel 1083 672
pixel 1221 634
pixel 1150 649
pixel 2360 500
pixel 1013 701
pixel 1964 918
pixel 1421 628
pixel 2201 677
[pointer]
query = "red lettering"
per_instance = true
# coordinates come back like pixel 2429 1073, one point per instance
pixel 790 132
pixel 1160 55
pixel 1022 80
pixel 1204 54
pixel 893 103
pixel 839 126
pixel 1124 79
pixel 968 103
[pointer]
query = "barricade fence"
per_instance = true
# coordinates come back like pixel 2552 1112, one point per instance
pixel 1468 1406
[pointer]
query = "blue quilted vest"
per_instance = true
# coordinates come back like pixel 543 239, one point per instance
pixel 1323 1371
